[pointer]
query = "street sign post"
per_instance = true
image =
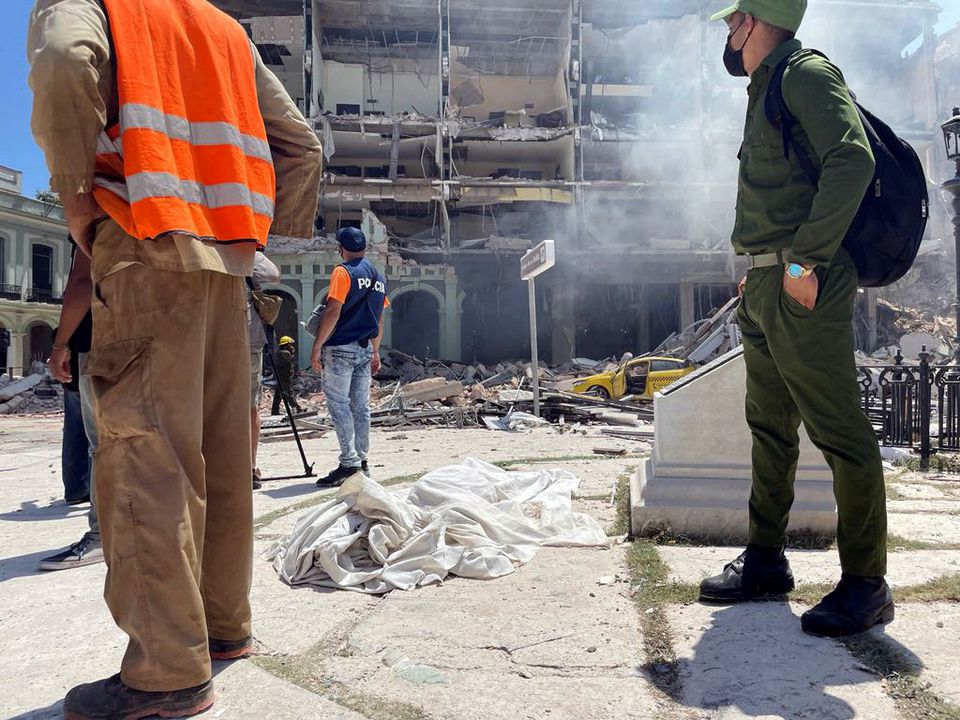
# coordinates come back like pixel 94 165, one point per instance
pixel 534 263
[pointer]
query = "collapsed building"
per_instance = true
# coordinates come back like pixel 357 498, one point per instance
pixel 458 134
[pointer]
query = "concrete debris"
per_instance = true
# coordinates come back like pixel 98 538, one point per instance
pixel 10 391
pixel 431 389
pixel 515 421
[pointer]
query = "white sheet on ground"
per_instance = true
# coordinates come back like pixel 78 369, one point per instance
pixel 473 520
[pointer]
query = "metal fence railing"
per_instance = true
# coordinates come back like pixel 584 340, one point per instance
pixel 913 406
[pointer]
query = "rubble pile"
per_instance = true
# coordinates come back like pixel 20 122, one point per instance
pixel 25 396
pixel 909 329
pixel 410 391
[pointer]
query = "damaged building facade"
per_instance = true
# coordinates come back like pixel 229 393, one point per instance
pixel 458 134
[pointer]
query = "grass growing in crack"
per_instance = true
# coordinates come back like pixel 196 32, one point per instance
pixel 901 544
pixel 943 462
pixel 649 576
pixel 621 501
pixel 795 540
pixel 942 589
pixel 901 673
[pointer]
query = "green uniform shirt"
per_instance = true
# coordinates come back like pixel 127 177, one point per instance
pixel 778 207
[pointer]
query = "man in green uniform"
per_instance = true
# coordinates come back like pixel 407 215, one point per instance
pixel 796 320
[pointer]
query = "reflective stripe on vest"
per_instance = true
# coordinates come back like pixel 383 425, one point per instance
pixel 189 154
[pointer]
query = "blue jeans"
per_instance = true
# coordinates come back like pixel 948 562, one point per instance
pixel 346 384
pixel 75 451
pixel 90 426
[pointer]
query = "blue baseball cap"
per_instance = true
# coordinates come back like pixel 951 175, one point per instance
pixel 352 239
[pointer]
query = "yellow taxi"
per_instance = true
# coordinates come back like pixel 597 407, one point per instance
pixel 638 377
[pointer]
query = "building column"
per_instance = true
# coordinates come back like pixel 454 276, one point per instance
pixel 387 340
pixel 16 352
pixel 563 335
pixel 870 296
pixel 688 312
pixel 305 339
pixel 450 321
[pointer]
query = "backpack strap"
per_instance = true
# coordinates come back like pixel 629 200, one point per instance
pixel 782 118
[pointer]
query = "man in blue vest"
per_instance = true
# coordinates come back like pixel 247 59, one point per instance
pixel 347 351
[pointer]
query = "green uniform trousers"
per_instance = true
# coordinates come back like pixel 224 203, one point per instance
pixel 800 366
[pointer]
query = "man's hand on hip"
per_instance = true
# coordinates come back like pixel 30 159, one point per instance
pixel 81 212
pixel 803 290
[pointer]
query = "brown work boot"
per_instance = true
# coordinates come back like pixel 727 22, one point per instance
pixel 230 649
pixel 110 699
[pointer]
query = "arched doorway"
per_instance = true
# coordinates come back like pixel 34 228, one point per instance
pixel 416 324
pixel 39 346
pixel 5 339
pixel 288 321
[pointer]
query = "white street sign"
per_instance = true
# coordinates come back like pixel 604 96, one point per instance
pixel 538 260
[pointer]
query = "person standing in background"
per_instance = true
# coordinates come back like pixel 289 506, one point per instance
pixel 264 273
pixel 67 364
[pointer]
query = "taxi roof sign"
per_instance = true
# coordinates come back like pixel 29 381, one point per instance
pixel 538 260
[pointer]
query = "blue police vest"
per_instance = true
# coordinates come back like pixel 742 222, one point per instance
pixel 360 316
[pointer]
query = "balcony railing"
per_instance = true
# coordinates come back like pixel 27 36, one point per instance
pixel 36 295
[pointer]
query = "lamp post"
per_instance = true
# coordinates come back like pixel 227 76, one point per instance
pixel 951 136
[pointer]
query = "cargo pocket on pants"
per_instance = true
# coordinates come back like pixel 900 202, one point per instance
pixel 123 390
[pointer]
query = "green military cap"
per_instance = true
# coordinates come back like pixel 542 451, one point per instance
pixel 786 14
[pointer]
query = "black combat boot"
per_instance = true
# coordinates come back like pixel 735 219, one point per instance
pixel 759 572
pixel 337 477
pixel 110 699
pixel 856 605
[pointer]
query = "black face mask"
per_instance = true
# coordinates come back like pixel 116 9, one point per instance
pixel 733 59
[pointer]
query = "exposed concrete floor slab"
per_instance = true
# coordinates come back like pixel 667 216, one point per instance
pixel 692 564
pixel 753 661
pixel 932 634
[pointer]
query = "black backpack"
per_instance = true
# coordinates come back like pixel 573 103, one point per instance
pixel 885 236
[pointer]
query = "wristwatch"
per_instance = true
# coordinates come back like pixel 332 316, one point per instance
pixel 798 271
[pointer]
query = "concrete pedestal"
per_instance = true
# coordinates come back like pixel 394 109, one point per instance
pixel 697 482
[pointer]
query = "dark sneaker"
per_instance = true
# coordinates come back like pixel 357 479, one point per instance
pixel 365 467
pixel 856 605
pixel 78 501
pixel 85 552
pixel 256 482
pixel 758 573
pixel 337 477
pixel 110 699
pixel 230 649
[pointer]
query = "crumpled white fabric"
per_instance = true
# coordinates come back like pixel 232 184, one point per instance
pixel 473 520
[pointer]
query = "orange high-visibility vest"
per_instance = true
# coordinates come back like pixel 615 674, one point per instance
pixel 190 152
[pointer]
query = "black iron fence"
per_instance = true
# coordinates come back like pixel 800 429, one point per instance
pixel 15 292
pixel 914 406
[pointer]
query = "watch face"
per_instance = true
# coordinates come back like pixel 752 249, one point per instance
pixel 795 271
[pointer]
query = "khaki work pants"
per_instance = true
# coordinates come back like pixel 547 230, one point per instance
pixel 171 380
pixel 801 367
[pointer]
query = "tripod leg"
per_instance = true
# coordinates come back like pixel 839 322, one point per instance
pixel 307 468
